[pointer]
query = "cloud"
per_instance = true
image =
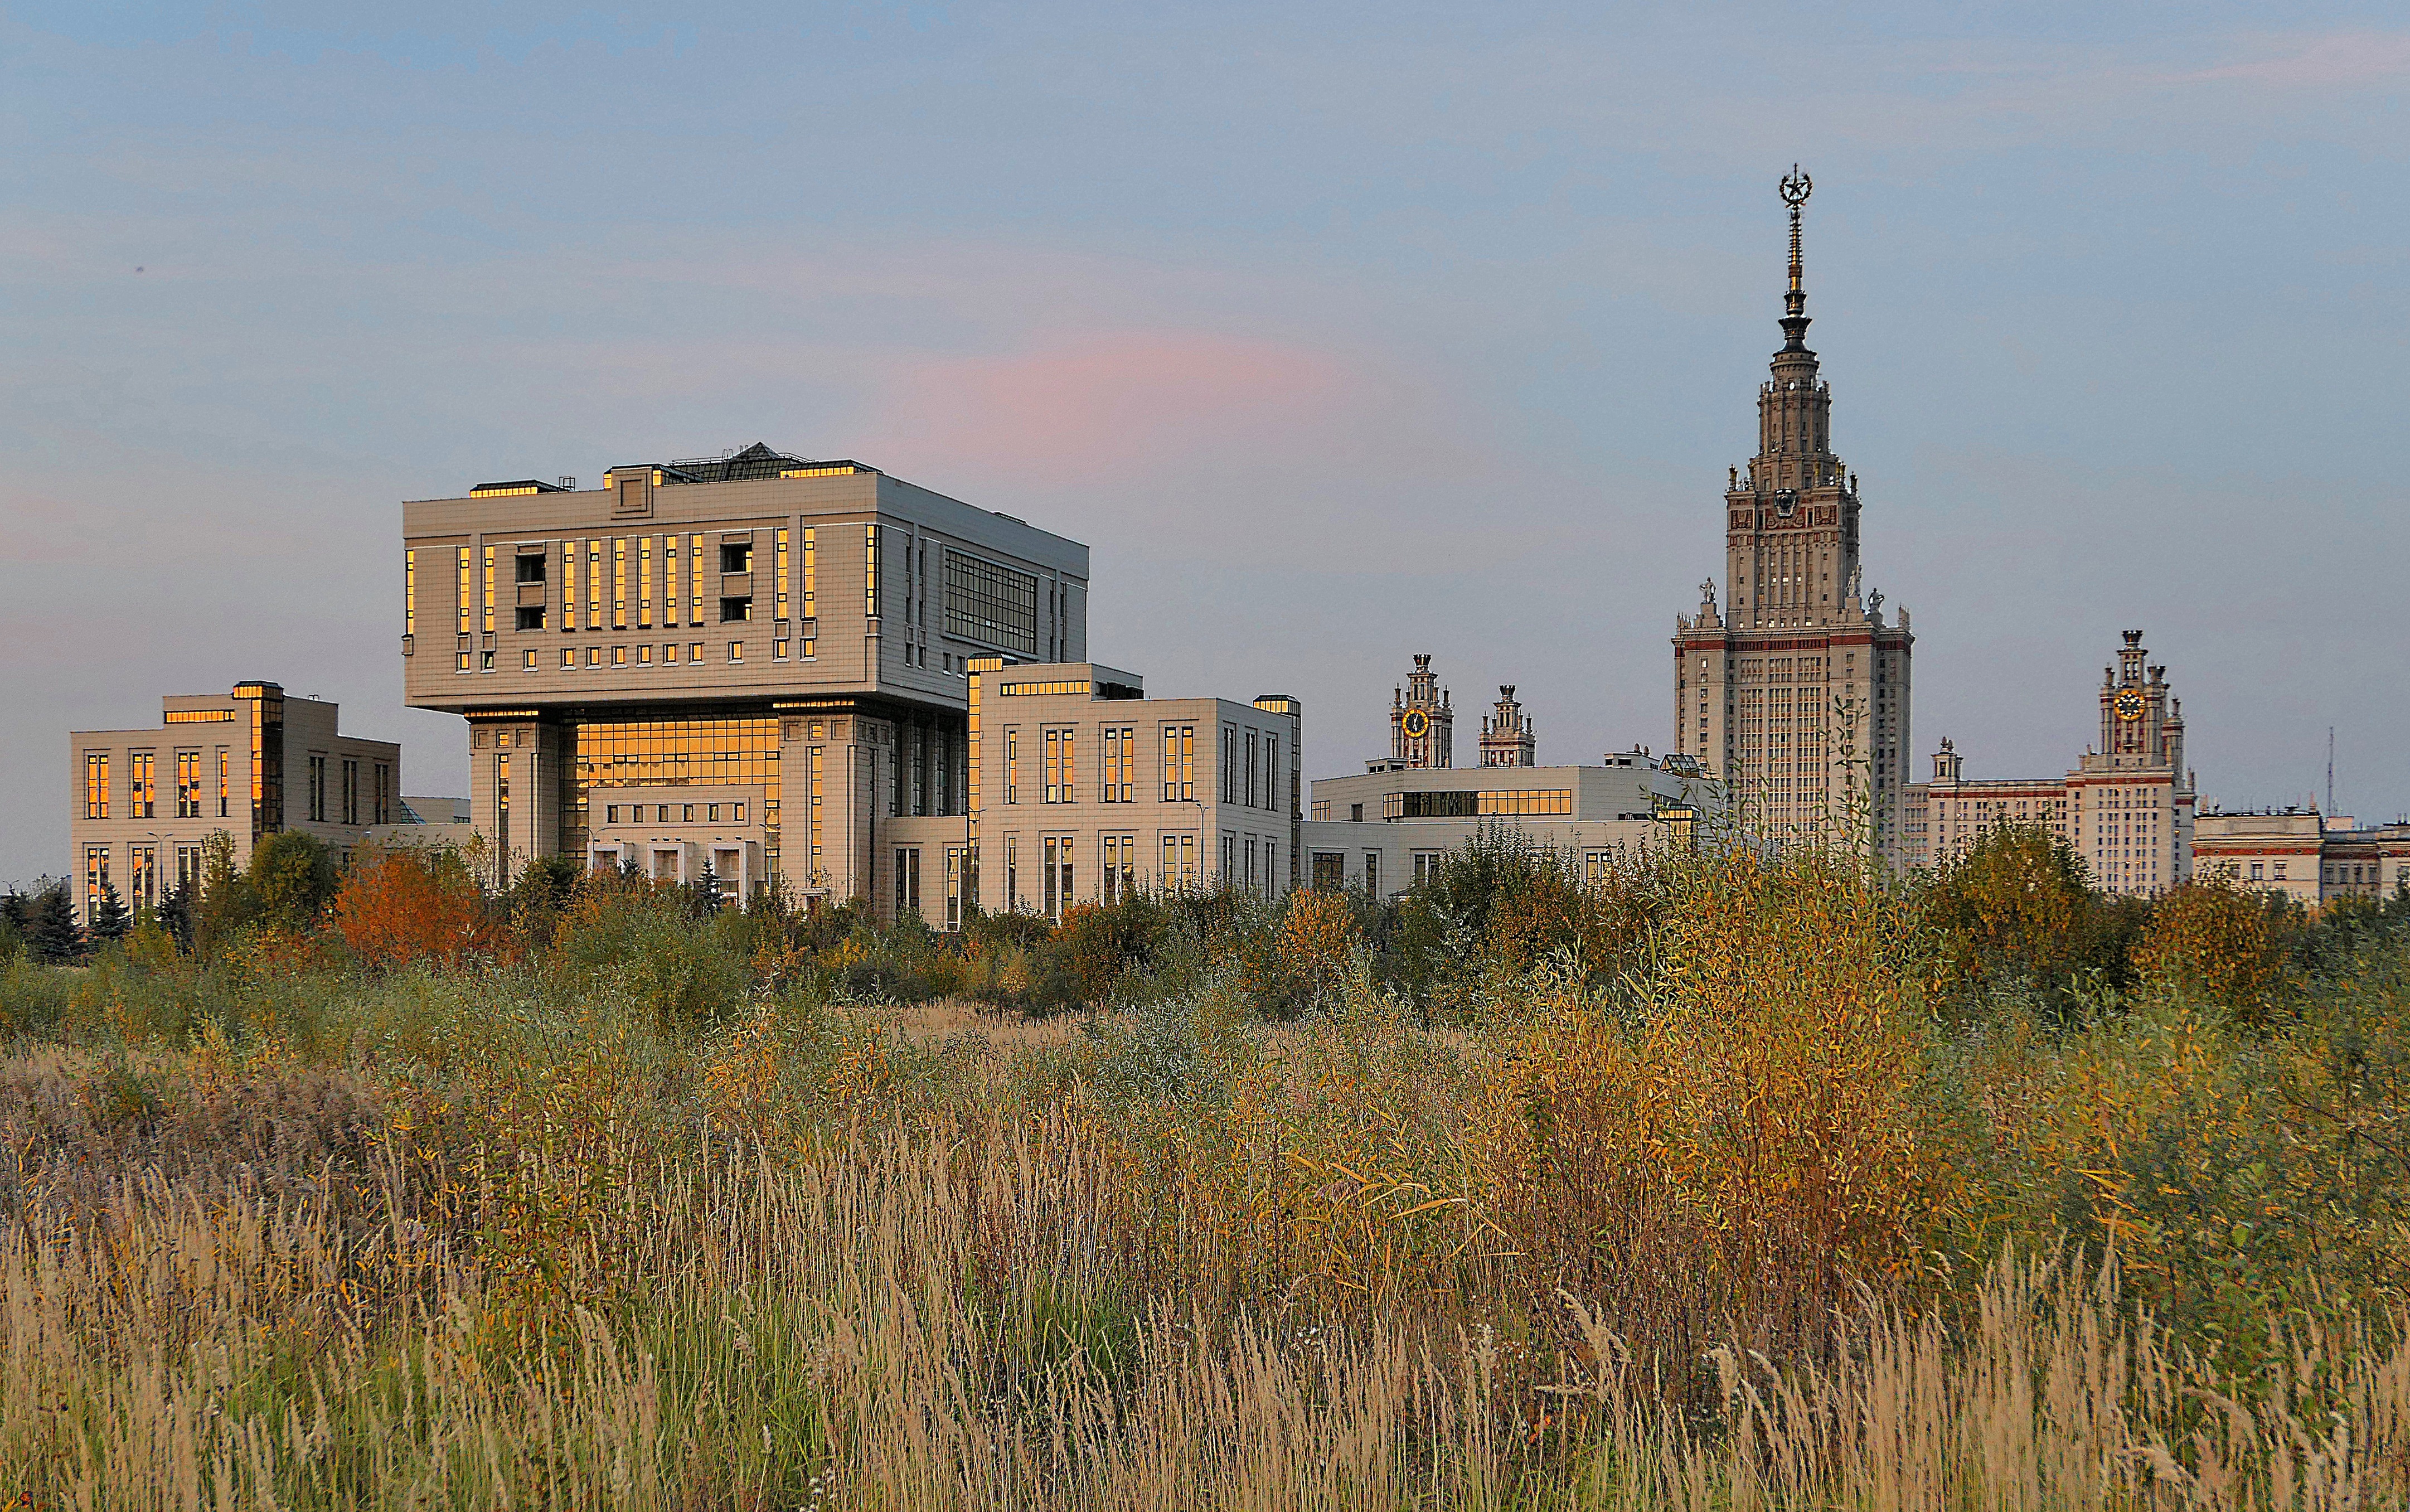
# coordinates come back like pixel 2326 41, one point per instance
pixel 2337 61
pixel 1112 406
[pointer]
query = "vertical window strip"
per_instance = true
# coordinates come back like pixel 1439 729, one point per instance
pixel 619 582
pixel 490 591
pixel 466 600
pixel 694 579
pixel 410 592
pixel 811 575
pixel 784 574
pixel 645 584
pixel 870 568
pixel 593 585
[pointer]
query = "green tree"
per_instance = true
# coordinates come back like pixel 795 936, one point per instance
pixel 293 879
pixel 109 920
pixel 52 932
pixel 225 902
pixel 2018 909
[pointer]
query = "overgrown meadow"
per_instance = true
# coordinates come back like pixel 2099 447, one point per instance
pixel 1727 1180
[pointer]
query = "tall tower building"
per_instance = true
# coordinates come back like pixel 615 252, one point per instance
pixel 1507 738
pixel 1797 691
pixel 1422 723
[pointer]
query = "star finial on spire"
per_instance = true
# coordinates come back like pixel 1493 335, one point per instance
pixel 1797 187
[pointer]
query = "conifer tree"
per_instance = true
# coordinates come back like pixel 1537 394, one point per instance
pixel 109 920
pixel 51 929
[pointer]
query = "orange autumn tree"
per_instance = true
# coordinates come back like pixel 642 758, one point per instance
pixel 397 905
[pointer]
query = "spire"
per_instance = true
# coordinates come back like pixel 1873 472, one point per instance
pixel 1797 186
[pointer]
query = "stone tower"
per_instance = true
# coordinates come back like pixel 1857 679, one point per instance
pixel 1422 723
pixel 1507 737
pixel 1796 690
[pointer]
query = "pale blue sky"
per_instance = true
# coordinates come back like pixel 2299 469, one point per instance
pixel 1340 332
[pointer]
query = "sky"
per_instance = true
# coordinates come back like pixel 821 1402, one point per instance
pixel 1338 331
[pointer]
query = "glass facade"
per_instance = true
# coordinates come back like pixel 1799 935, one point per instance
pixel 989 602
pixel 658 753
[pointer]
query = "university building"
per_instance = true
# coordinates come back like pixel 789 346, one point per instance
pixel 251 762
pixel 1796 692
pixel 2128 807
pixel 1385 830
pixel 2307 856
pixel 752 664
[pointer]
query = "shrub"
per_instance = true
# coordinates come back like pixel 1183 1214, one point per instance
pixel 398 904
pixel 2210 940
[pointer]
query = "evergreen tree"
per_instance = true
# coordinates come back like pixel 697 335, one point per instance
pixel 176 914
pixel 703 893
pixel 109 920
pixel 51 929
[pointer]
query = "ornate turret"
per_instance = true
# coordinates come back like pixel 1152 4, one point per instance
pixel 1507 738
pixel 1422 720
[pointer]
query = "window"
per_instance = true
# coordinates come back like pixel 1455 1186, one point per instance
pixel 1011 763
pixel 811 577
pixel 734 611
pixel 736 556
pixel 694 651
pixel 619 656
pixel 1356 813
pixel 1061 770
pixel 351 793
pixel 1273 773
pixel 645 654
pixel 188 868
pixel 530 567
pixel 1427 867
pixel 317 794
pixel 1250 868
pixel 1229 773
pixel 779 649
pixel 1247 794
pixel 955 854
pixel 531 615
pixel 410 592
pixel 467 602
pixel 1179 763
pixel 990 602
pixel 96 784
pixel 1179 862
pixel 593 585
pixel 1057 874
pixel 1372 872
pixel 644 582
pixel 1329 870
pixel 818 757
pixel 619 582
pixel 95 877
pixel 1120 761
pixel 2255 871
pixel 488 601
pixel 142 790
pixel 380 794
pixel 188 784
pixel 870 568
pixel 1121 867
pixel 1229 861
pixel 226 787
pixel 736 650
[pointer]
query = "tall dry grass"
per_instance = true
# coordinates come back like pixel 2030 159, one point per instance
pixel 903 1322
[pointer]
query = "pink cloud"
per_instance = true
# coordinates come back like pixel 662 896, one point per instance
pixel 1107 403
pixel 2322 62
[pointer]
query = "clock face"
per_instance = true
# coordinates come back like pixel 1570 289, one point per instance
pixel 1417 723
pixel 2129 704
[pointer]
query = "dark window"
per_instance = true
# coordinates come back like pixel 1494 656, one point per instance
pixel 988 602
pixel 731 610
pixel 531 614
pixel 736 558
pixel 531 568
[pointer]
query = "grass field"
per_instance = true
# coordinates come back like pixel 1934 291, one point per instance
pixel 1730 1183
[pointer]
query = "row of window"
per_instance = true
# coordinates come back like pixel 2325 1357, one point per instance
pixel 640 655
pixel 688 813
pixel 204 784
pixel 1251 770
pixel 1124 867
pixel 145 888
